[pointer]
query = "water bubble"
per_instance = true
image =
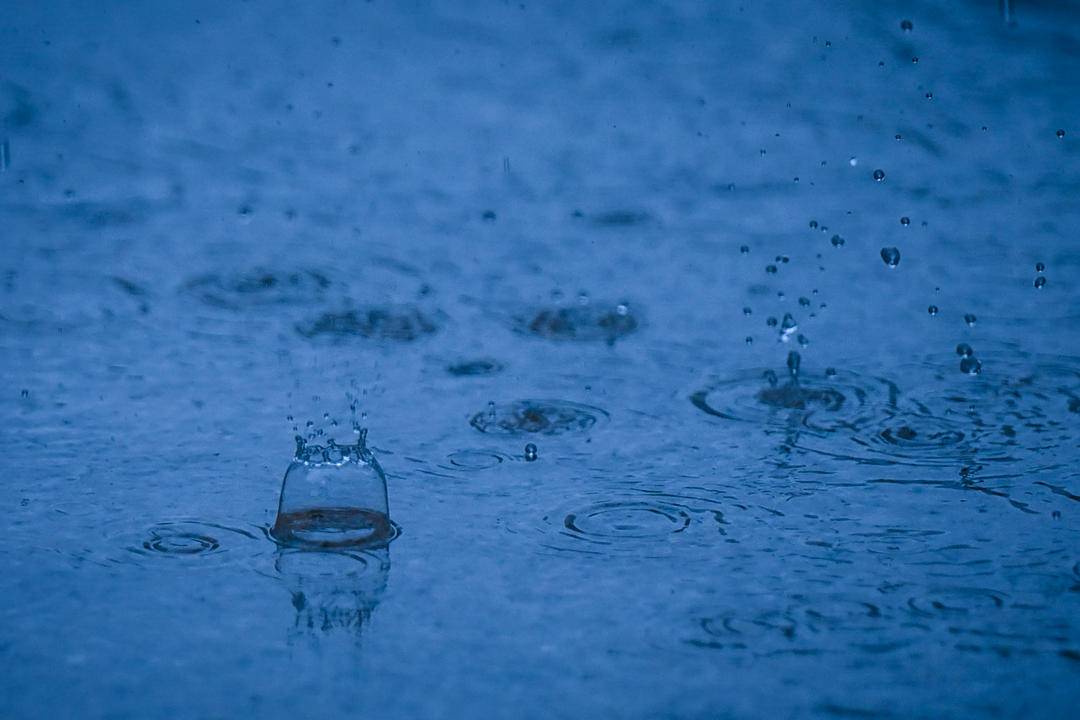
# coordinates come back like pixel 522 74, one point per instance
pixel 964 350
pixel 905 221
pixel 879 175
pixel 1040 267
pixel 970 319
pixel 970 366
pixel 891 256
pixel 906 25
pixel 530 452
pixel 1040 282
pixel 744 249
pixel 1060 134
pixel 837 241
pixel 933 310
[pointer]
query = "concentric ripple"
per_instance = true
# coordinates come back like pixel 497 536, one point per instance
pixel 899 439
pixel 189 539
pixel 475 459
pixel 585 322
pixel 956 601
pixel 537 417
pixel 821 403
pixel 644 523
pixel 397 323
pixel 259 286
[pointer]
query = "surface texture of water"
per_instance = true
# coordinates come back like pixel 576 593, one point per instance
pixel 560 224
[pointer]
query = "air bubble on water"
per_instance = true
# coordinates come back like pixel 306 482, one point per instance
pixel 837 241
pixel 1040 267
pixel 933 310
pixel 879 174
pixel 905 221
pixel 1060 134
pixel 891 256
pixel 970 366
pixel 530 452
pixel 906 25
pixel 964 350
pixel 970 319
pixel 1040 282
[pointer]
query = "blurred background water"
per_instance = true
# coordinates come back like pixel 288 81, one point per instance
pixel 599 228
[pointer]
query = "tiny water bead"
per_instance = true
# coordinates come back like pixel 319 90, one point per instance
pixel 530 452
pixel 539 417
pixel 1060 134
pixel 837 241
pixel 906 25
pixel 932 310
pixel 970 366
pixel 891 256
pixel 964 350
pixel 970 319
pixel 771 269
pixel 905 221
pixel 879 175
pixel 1040 267
pixel 744 249
pixel 1040 282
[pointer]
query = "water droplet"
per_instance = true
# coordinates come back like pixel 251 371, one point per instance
pixel 803 341
pixel 771 269
pixel 804 301
pixel 929 95
pixel 747 311
pixel 530 452
pixel 837 241
pixel 1040 267
pixel 853 161
pixel 793 362
pixel 891 256
pixel 933 310
pixel 813 224
pixel 745 249
pixel 964 350
pixel 969 318
pixel 1060 134
pixel 879 174
pixel 1040 282
pixel 905 221
pixel 771 321
pixel 749 340
pixel 970 366
pixel 906 25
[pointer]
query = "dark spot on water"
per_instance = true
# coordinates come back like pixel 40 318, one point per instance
pixel 589 322
pixel 621 218
pixel 469 368
pixel 259 287
pixel 402 324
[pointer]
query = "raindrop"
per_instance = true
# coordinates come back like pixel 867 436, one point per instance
pixel 964 350
pixel 891 256
pixel 933 310
pixel 530 452
pixel 853 161
pixel 771 322
pixel 804 301
pixel 745 249
pixel 969 318
pixel 1060 134
pixel 905 221
pixel 771 269
pixel 793 362
pixel 813 224
pixel 906 25
pixel 1040 267
pixel 749 340
pixel 929 95
pixel 879 175
pixel 803 341
pixel 747 311
pixel 1040 282
pixel 970 366
pixel 837 241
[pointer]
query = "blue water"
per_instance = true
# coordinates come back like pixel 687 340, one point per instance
pixel 496 224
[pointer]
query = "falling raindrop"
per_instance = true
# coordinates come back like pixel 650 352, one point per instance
pixel 891 256
pixel 530 452
pixel 879 175
pixel 793 362
pixel 906 25
pixel 970 366
pixel 964 350
pixel 1060 134
pixel 747 311
pixel 1040 267
pixel 1040 282
pixel 969 318
pixel 905 221
pixel 837 241
pixel 745 249
pixel 933 310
